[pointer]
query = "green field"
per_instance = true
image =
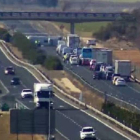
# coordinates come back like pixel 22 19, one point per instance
pixel 85 29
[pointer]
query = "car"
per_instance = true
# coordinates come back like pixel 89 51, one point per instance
pixel 74 60
pixel 26 93
pixel 87 133
pixel 114 79
pixel 15 81
pixel 97 75
pixel 120 82
pixel 9 70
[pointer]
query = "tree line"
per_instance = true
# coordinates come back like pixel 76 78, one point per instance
pixel 30 51
pixel 122 29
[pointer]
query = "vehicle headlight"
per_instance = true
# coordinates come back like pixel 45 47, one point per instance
pixel 12 80
pixel 6 71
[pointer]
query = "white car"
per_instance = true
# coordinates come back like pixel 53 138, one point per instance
pixel 26 93
pixel 73 60
pixel 114 79
pixel 120 82
pixel 87 132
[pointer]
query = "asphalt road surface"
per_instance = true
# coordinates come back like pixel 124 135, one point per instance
pixel 130 93
pixel 68 121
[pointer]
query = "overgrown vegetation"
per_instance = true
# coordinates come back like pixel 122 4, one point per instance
pixel 124 116
pixel 121 29
pixel 5 107
pixel 31 52
pixel 4 35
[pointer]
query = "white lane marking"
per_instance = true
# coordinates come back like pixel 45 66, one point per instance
pixel 55 129
pixel 94 118
pixel 7 91
pixel 69 119
pixel 66 101
pixel 61 106
pixel 133 88
pixel 61 134
pixel 23 84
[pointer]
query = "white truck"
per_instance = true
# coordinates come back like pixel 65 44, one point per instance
pixel 43 95
pixel 123 68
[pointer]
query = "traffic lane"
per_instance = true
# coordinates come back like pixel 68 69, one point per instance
pixel 20 72
pixel 81 119
pixel 31 81
pixel 66 126
pixel 20 26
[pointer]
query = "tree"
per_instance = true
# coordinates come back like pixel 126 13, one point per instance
pixel 5 107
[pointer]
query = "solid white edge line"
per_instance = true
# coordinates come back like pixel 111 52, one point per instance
pixel 67 102
pixel 93 117
pixel 61 134
pixel 7 91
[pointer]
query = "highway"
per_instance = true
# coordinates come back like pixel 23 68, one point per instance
pixel 70 121
pixel 130 93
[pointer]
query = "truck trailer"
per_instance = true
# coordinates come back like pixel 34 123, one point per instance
pixel 123 68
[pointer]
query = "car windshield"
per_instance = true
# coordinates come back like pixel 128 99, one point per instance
pixel 120 80
pixel 27 90
pixel 109 69
pixel 9 68
pixel 16 79
pixel 88 130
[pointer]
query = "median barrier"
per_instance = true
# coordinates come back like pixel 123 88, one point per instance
pixel 134 133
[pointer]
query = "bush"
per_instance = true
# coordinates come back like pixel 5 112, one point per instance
pixel 119 28
pixel 4 35
pixel 5 107
pixel 29 49
pixel 131 119
pixel 53 63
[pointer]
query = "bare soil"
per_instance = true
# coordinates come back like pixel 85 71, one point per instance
pixel 5 130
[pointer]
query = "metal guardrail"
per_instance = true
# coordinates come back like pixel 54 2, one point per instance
pixel 66 16
pixel 134 133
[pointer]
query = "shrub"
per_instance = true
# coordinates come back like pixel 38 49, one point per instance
pixel 131 119
pixel 53 63
pixel 5 107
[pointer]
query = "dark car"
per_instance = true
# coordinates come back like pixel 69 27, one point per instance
pixel 97 75
pixel 9 70
pixel 15 81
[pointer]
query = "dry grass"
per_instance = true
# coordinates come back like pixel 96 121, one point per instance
pixel 133 55
pixel 5 130
pixel 89 96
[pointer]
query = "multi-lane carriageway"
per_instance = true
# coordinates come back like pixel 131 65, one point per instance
pixel 130 93
pixel 68 122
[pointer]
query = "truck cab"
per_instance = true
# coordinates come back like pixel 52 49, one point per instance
pixel 43 93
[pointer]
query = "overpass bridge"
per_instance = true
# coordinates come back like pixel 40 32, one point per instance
pixel 68 17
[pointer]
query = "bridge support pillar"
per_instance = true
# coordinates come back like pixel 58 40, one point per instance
pixel 72 27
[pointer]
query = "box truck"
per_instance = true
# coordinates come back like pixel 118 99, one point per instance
pixel 123 68
pixel 43 95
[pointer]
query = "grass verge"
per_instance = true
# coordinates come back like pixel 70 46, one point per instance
pixel 84 29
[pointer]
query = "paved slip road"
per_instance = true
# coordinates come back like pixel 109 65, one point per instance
pixel 70 121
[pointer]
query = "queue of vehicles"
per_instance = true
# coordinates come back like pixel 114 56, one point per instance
pixel 100 61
